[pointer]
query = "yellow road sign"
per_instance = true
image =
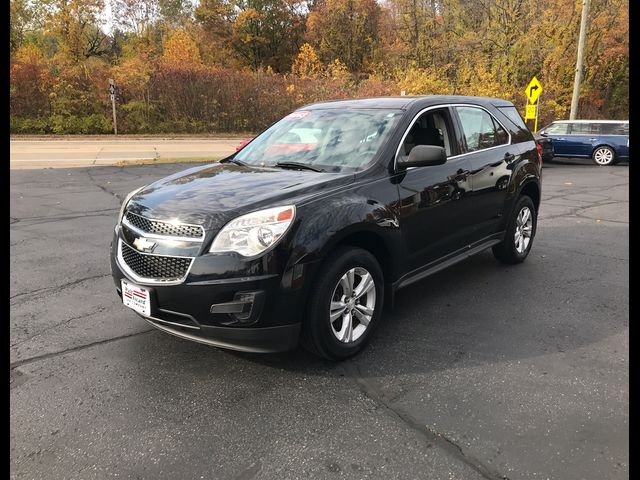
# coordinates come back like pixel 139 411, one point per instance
pixel 533 90
pixel 530 114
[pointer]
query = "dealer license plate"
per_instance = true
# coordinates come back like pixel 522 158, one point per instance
pixel 136 297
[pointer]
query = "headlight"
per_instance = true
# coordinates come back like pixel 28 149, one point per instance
pixel 255 232
pixel 125 202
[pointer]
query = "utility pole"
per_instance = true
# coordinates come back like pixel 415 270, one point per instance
pixel 578 78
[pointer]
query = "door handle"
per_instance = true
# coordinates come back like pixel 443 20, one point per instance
pixel 559 138
pixel 592 139
pixel 509 157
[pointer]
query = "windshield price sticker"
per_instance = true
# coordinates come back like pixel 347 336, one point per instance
pixel 295 115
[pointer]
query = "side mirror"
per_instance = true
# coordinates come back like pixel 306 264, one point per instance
pixel 423 156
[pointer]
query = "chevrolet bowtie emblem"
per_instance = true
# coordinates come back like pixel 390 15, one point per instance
pixel 143 244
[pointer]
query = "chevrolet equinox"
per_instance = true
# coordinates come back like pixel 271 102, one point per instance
pixel 304 233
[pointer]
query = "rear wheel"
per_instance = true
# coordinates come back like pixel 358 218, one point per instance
pixel 345 304
pixel 604 156
pixel 520 232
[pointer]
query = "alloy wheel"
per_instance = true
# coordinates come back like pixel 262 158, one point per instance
pixel 352 305
pixel 603 156
pixel 524 229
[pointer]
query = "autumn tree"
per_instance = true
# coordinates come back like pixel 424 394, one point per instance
pixel 76 27
pixel 346 30
pixel 307 63
pixel 261 33
pixel 180 51
pixel 229 65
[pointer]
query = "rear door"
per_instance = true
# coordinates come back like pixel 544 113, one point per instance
pixel 581 139
pixel 491 155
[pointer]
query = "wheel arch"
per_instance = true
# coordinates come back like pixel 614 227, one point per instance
pixel 613 149
pixel 368 240
pixel 532 190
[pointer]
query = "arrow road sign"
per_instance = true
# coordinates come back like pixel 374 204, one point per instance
pixel 533 90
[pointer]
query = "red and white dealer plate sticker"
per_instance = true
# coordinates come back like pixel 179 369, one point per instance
pixel 136 297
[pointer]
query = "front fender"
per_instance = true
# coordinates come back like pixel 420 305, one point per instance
pixel 327 224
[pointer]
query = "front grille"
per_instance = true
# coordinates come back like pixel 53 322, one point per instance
pixel 164 228
pixel 156 267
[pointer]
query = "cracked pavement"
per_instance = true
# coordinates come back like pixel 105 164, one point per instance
pixel 482 371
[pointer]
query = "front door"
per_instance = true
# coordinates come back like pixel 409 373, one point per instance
pixel 559 134
pixel 434 204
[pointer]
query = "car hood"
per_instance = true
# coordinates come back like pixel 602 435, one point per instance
pixel 214 194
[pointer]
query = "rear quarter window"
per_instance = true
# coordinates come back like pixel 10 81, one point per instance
pixel 519 130
pixel 614 128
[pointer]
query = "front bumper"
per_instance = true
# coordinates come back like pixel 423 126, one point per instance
pixel 255 340
pixel 210 310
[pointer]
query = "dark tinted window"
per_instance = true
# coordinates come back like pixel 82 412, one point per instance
pixel 513 115
pixel 479 129
pixel 432 128
pixel 614 128
pixel 501 134
pixel 512 120
pixel 584 129
pixel 556 129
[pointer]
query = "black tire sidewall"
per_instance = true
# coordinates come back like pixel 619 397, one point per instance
pixel 317 329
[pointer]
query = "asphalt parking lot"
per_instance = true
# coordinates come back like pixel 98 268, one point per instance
pixel 481 371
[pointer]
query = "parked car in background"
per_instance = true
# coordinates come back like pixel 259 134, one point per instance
pixel 604 141
pixel 304 232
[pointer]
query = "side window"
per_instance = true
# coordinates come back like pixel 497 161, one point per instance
pixel 584 128
pixel 480 129
pixel 432 128
pixel 501 134
pixel 556 129
pixel 615 128
pixel 512 114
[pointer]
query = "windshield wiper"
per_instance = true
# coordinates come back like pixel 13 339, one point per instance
pixel 297 165
pixel 233 160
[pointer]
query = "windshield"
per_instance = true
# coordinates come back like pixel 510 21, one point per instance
pixel 330 140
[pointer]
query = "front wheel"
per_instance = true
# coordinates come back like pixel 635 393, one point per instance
pixel 521 229
pixel 604 156
pixel 345 304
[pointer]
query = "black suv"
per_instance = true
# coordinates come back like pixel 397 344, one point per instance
pixel 303 233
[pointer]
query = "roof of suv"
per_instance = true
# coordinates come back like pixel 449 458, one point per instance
pixel 405 102
pixel 591 121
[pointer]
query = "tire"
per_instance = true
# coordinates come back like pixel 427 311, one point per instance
pixel 511 250
pixel 604 156
pixel 334 340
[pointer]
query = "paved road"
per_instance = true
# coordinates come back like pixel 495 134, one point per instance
pixel 481 371
pixel 77 152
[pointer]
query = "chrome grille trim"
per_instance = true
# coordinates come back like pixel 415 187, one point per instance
pixel 142 233
pixel 164 229
pixel 150 281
